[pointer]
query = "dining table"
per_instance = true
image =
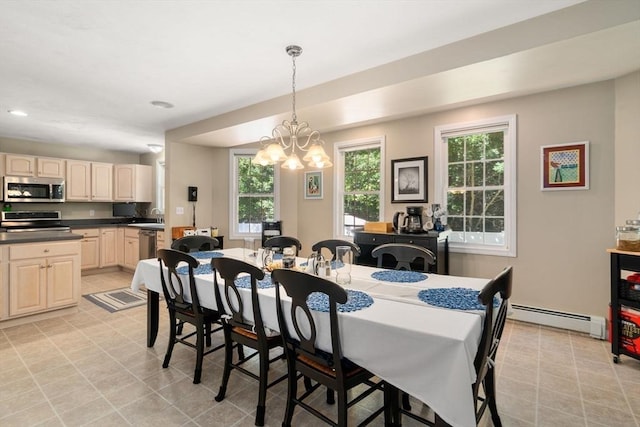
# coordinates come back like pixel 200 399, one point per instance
pixel 401 326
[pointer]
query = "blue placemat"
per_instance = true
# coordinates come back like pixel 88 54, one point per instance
pixel 400 276
pixel 455 298
pixel 206 254
pixel 357 300
pixel 201 269
pixel 245 282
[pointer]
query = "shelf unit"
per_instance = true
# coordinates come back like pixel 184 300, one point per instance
pixel 621 261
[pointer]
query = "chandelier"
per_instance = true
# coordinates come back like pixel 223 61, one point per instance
pixel 291 136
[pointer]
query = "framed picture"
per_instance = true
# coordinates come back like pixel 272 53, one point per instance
pixel 313 185
pixel 565 166
pixel 409 180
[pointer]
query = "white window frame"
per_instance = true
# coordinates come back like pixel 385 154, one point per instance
pixel 508 125
pixel 234 233
pixel 338 182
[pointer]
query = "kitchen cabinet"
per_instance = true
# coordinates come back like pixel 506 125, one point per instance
pixel 20 165
pixel 622 294
pixel 132 183
pixel 43 276
pixel 89 181
pixel 131 250
pixel 108 247
pixel 160 240
pixel 434 241
pixel 89 248
pixel 51 168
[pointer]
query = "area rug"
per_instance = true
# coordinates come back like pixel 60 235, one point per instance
pixel 118 299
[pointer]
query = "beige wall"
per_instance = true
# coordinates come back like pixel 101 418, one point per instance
pixel 562 262
pixel 627 148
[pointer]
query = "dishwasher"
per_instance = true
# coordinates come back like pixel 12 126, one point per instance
pixel 147 243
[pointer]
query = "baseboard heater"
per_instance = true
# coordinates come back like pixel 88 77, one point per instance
pixel 592 325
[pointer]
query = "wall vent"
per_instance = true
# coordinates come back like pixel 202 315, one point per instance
pixel 592 325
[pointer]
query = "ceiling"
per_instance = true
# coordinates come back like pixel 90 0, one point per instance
pixel 86 72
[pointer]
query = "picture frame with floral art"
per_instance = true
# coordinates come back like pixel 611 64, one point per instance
pixel 313 185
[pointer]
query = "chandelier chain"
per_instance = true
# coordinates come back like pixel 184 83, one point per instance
pixel 294 117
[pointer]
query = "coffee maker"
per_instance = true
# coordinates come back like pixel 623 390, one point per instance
pixel 411 222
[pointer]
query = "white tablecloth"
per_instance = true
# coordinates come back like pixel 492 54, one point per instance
pixel 423 350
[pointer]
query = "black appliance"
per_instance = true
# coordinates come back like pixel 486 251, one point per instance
pixel 411 222
pixel 127 210
pixel 31 189
pixel 16 221
pixel 271 229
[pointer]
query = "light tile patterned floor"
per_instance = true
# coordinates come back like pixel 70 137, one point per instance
pixel 93 369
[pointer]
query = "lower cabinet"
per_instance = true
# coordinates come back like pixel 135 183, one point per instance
pixel 90 248
pixel 108 247
pixel 43 276
pixel 131 250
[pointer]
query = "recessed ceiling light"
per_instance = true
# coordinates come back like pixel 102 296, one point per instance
pixel 155 148
pixel 162 104
pixel 18 113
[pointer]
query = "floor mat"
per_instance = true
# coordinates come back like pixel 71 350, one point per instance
pixel 118 299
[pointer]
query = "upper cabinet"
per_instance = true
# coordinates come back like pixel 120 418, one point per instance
pixel 132 183
pixel 22 165
pixel 89 181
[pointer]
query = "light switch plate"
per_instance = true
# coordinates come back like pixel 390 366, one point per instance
pixel 179 210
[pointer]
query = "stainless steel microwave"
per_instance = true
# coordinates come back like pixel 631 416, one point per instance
pixel 31 189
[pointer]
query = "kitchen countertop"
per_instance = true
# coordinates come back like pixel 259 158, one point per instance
pixel 36 236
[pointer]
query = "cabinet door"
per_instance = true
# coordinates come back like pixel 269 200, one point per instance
pixel 27 286
pixel 90 253
pixel 62 283
pixel 131 252
pixel 78 180
pixel 17 165
pixel 108 252
pixel 120 246
pixel 124 183
pixel 50 168
pixel 102 182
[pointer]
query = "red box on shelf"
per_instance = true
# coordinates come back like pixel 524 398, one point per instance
pixel 630 330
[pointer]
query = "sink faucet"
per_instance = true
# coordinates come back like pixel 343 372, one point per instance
pixel 158 213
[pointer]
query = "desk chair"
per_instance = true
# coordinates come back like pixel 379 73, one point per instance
pixel 283 241
pixel 330 369
pixel 183 311
pixel 484 362
pixel 239 331
pixel 404 255
pixel 195 243
pixel 331 244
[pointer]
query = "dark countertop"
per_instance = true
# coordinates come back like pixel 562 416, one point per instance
pixel 37 236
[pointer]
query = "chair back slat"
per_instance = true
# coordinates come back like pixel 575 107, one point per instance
pixel 404 255
pixel 172 285
pixel 230 269
pixel 332 244
pixel 298 286
pixel 195 243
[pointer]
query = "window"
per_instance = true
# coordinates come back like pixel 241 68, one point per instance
pixel 254 194
pixel 476 182
pixel 358 184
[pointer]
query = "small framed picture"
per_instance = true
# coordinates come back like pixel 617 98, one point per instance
pixel 565 166
pixel 313 185
pixel 409 180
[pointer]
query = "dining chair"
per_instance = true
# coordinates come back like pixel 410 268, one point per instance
pixel 331 245
pixel 484 389
pixel 299 330
pixel 195 243
pixel 404 254
pixel 283 241
pixel 241 331
pixel 185 309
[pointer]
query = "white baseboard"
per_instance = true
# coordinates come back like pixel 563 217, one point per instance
pixel 592 325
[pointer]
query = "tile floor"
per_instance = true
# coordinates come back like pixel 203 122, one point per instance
pixel 92 368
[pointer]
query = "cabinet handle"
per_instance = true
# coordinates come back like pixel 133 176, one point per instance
pixel 46 250
pixel 374 239
pixel 43 266
pixel 50 265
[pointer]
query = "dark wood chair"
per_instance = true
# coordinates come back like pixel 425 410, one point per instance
pixel 195 243
pixel 239 331
pixel 404 255
pixel 331 245
pixel 484 389
pixel 185 310
pixel 330 369
pixel 283 241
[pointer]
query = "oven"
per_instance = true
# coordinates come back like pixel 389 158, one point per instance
pixel 24 221
pixel 31 189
